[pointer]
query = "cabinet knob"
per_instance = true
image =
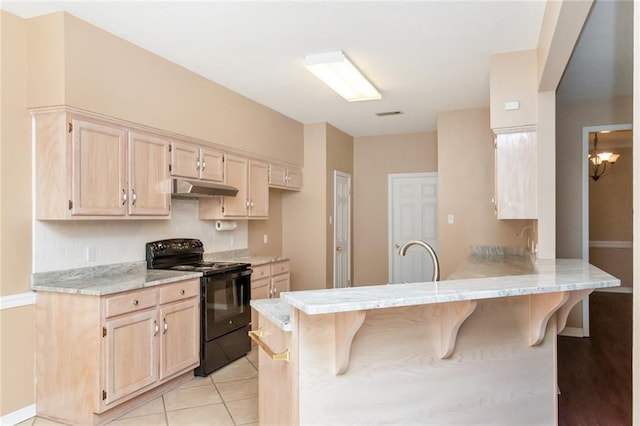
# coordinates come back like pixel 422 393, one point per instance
pixel 135 302
pixel 338 248
pixel 181 292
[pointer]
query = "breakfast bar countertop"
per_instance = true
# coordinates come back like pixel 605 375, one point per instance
pixel 545 276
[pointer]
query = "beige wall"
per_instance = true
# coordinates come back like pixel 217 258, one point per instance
pixel 340 158
pixel 105 74
pixel 304 237
pixel 375 157
pixel 16 324
pixel 465 188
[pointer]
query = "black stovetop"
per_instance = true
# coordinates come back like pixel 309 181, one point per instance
pixel 183 254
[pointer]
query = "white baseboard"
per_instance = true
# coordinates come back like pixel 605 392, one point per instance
pixel 572 332
pixel 18 416
pixel 17 300
pixel 628 290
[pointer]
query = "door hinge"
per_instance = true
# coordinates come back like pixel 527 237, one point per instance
pixel 104 395
pixel 104 331
pixel 70 205
pixel 169 167
pixel 170 147
pixel 70 127
pixel 223 209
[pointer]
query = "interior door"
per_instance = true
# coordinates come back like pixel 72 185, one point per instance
pixel 342 230
pixel 413 211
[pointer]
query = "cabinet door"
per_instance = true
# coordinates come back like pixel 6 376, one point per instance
pixel 258 189
pixel 294 179
pixel 260 289
pixel 131 355
pixel 235 174
pixel 149 191
pixel 277 176
pixel 98 183
pixel 211 165
pixel 516 175
pixel 184 160
pixel 279 283
pixel 180 338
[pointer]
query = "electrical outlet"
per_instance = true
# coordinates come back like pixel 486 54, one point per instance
pixel 450 219
pixel 91 253
pixel 265 238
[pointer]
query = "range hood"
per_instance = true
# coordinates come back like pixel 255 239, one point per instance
pixel 187 188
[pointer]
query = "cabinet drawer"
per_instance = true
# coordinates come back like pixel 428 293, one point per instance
pixel 179 290
pixel 279 268
pixel 130 302
pixel 262 271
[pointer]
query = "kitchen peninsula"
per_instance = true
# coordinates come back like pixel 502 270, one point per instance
pixel 476 349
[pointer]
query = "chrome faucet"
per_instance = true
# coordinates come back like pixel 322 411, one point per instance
pixel 436 264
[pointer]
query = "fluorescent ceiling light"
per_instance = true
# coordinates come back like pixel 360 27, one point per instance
pixel 339 73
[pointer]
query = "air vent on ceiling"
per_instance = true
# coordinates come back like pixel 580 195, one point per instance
pixel 385 114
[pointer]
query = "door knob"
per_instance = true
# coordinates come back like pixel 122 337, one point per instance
pixel 338 248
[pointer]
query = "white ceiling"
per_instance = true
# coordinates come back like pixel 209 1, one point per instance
pixel 424 56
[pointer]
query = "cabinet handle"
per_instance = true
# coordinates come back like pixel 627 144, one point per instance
pixel 181 292
pixel 156 328
pixel 135 302
pixel 257 335
pixel 251 204
pixel 247 204
pixel 197 164
pixel 165 326
pixel 134 197
pixel 203 165
pixel 124 197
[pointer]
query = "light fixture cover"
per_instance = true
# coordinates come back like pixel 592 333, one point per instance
pixel 340 74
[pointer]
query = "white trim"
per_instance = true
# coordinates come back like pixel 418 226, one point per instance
pixel 17 300
pixel 611 244
pixel 625 290
pixel 18 416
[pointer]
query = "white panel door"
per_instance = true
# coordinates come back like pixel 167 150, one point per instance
pixel 413 212
pixel 342 229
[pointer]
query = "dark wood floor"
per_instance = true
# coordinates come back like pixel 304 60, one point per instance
pixel 594 374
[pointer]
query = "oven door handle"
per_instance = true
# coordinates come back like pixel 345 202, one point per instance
pixel 257 335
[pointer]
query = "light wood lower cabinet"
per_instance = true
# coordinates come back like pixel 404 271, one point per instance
pixel 267 282
pixel 97 357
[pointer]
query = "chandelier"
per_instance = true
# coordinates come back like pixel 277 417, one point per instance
pixel 600 163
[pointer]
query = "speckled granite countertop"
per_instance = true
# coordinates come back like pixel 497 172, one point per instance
pixel 243 256
pixel 276 310
pixel 546 276
pixel 107 279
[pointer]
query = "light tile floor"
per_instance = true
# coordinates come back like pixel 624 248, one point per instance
pixel 227 397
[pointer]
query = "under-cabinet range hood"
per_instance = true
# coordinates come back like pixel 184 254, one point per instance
pixel 187 188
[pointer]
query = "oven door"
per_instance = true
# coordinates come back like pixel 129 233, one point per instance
pixel 225 303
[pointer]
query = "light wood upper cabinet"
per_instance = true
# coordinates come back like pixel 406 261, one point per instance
pixel 251 178
pixel 90 168
pixel 149 189
pixel 285 177
pixel 516 167
pixel 192 161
